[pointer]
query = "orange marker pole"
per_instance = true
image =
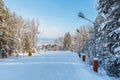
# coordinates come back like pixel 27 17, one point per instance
pixel 83 57
pixel 95 65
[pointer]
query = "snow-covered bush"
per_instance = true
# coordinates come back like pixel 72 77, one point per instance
pixel 112 66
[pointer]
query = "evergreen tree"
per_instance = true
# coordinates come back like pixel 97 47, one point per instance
pixel 108 35
pixel 16 33
pixel 67 41
pixel 4 29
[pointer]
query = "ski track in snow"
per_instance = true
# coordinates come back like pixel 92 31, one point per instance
pixel 56 65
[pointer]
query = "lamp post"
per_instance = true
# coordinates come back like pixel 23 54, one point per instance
pixel 83 56
pixel 79 43
pixel 81 15
pixel 95 63
pixel 82 39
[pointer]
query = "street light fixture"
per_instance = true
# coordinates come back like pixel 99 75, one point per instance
pixel 78 30
pixel 80 14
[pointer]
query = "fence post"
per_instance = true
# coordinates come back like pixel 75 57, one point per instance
pixel 95 64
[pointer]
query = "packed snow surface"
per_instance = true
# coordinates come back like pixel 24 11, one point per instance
pixel 58 65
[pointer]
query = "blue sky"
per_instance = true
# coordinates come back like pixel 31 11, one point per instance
pixel 56 16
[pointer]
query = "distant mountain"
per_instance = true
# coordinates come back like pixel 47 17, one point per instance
pixel 45 41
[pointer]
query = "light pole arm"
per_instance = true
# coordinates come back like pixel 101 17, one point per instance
pixel 89 20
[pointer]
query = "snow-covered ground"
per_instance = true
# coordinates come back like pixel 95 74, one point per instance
pixel 58 65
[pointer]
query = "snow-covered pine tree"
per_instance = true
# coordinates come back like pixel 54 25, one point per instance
pixel 12 30
pixel 67 41
pixel 4 17
pixel 108 35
